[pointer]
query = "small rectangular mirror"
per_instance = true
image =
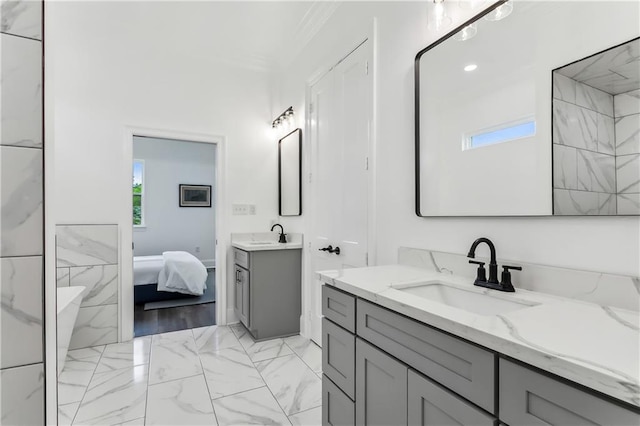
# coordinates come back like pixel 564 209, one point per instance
pixel 290 174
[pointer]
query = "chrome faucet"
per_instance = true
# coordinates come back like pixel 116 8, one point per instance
pixel 481 278
pixel 283 236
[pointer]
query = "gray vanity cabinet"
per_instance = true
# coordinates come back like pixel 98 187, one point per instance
pixel 531 398
pixel 267 296
pixel 381 387
pixel 430 404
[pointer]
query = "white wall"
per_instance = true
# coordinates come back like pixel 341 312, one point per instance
pixel 167 226
pixel 597 244
pixel 108 67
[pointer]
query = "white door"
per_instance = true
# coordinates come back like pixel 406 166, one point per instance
pixel 341 114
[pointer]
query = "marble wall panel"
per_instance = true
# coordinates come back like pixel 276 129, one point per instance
pixel 22 18
pixel 628 204
pixel 22 395
pixel 101 284
pixel 87 245
pixel 628 174
pixel 627 103
pixel 21 311
pixel 627 134
pixel 21 232
pixel 62 277
pixel 575 126
pixel 95 325
pixel 596 172
pixel 21 95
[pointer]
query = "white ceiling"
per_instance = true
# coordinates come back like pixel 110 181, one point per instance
pixel 261 35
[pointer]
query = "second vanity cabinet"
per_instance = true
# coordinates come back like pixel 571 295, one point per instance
pixel 268 291
pixel 382 368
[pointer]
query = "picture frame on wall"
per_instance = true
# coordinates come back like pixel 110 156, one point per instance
pixel 195 195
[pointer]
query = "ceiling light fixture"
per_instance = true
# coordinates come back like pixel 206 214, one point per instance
pixel 470 67
pixel 286 116
pixel 500 12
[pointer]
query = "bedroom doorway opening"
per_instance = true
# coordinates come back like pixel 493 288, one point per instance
pixel 174 235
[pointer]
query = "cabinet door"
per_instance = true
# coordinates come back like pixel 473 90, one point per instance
pixel 241 300
pixel 338 356
pixel 337 408
pixel 429 404
pixel 381 387
pixel 530 398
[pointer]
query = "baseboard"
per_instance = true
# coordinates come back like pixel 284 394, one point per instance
pixel 231 316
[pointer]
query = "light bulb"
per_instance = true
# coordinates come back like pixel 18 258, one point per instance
pixel 439 18
pixel 470 67
pixel 500 12
pixel 467 32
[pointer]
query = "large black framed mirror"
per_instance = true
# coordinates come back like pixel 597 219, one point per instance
pixel 290 174
pixel 484 101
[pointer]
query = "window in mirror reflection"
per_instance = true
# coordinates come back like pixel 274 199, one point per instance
pixel 504 133
pixel 596 134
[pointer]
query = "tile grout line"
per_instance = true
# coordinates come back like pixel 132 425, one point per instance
pixel 204 374
pixel 86 389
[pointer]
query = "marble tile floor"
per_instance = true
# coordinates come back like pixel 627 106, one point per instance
pixel 215 375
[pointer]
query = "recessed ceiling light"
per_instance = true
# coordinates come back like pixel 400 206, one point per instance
pixel 470 67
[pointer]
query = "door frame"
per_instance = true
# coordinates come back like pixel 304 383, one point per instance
pixel 125 293
pixel 370 35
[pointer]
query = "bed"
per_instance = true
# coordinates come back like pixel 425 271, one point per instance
pixel 172 275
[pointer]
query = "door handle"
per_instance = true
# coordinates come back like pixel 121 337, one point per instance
pixel 330 249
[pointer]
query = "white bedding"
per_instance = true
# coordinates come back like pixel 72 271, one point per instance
pixel 146 269
pixel 183 273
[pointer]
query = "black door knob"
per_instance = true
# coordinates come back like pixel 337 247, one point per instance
pixel 335 251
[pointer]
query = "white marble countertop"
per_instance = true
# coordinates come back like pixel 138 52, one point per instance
pixel 261 241
pixel 596 346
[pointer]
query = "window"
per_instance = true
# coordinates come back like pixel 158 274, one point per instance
pixel 138 192
pixel 502 133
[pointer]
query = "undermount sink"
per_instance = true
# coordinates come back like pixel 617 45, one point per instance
pixel 468 300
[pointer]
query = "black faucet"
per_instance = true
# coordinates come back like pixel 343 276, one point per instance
pixel 283 236
pixel 481 279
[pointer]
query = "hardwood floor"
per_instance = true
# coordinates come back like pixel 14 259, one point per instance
pixel 172 319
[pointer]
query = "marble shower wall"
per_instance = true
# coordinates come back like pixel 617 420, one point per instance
pixel 627 137
pixel 21 215
pixel 584 149
pixel 602 289
pixel 87 255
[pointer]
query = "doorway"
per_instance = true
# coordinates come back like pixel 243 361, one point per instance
pixel 173 235
pixel 175 209
pixel 341 116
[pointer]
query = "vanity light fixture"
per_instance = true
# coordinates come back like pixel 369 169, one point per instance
pixel 470 67
pixel 285 117
pixel 500 12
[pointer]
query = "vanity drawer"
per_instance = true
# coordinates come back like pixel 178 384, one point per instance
pixel 339 307
pixel 337 408
pixel 241 257
pixel 462 367
pixel 338 356
pixel 531 398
